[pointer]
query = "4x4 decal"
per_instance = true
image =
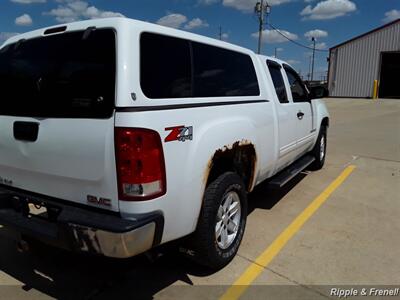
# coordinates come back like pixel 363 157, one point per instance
pixel 179 133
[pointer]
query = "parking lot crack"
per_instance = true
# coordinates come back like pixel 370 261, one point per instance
pixel 378 158
pixel 285 277
pixel 298 283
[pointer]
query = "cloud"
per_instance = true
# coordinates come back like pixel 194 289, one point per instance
pixel 225 36
pixel 6 35
pixel 24 20
pixel 273 36
pixel 319 46
pixel 79 6
pixel 196 23
pixel 293 61
pixel 94 13
pixel 391 15
pixel 178 21
pixel 172 20
pixel 28 1
pixel 63 14
pixel 316 33
pixel 242 5
pixel 70 11
pixel 208 2
pixel 328 9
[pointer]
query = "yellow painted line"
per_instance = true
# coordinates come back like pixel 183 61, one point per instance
pixel 256 268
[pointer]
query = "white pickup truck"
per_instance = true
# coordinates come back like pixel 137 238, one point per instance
pixel 118 135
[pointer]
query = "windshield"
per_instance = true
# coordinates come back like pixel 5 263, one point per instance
pixel 69 75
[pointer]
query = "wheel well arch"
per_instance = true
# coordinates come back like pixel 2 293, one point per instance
pixel 325 122
pixel 240 158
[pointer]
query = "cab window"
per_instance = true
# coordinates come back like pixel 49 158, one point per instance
pixel 297 87
pixel 277 79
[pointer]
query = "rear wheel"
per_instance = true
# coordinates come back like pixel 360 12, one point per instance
pixel 319 150
pixel 222 221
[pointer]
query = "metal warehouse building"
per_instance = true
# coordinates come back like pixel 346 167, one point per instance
pixel 355 64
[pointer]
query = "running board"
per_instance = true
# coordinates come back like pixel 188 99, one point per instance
pixel 291 171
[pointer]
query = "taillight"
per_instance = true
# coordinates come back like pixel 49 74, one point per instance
pixel 140 164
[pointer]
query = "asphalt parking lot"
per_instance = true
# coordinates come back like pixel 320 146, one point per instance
pixel 351 239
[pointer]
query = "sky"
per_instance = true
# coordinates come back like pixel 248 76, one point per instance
pixel 330 22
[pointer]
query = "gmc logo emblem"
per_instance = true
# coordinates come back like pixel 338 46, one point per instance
pixel 98 201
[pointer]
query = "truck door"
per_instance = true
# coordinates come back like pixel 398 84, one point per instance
pixel 286 122
pixel 302 111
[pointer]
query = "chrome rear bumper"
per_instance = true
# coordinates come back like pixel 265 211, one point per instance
pixel 111 244
pixel 79 229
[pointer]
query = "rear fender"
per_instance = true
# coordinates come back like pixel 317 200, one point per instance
pixel 215 138
pixel 321 113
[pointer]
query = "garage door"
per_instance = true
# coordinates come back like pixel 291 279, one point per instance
pixel 390 74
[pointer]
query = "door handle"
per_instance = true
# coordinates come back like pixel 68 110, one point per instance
pixel 300 115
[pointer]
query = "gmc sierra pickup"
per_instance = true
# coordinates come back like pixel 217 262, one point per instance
pixel 119 135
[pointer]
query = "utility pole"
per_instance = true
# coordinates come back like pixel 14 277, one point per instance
pixel 276 51
pixel 313 57
pixel 220 32
pixel 262 10
pixel 309 68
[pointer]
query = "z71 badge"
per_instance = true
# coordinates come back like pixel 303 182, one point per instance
pixel 179 133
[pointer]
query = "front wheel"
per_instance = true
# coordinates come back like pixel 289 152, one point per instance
pixel 319 150
pixel 222 221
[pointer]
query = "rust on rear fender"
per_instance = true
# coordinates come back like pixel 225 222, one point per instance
pixel 238 152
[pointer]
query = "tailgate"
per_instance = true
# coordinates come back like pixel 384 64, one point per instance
pixel 57 117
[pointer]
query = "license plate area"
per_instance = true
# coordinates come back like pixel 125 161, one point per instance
pixel 38 210
pixel 33 208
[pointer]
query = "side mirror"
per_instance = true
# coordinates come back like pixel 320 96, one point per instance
pixel 317 92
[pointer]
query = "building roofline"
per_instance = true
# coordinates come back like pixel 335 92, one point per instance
pixel 364 34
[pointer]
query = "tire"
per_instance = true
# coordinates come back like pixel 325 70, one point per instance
pixel 319 150
pixel 212 249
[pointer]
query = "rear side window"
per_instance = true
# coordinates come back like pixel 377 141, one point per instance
pixel 219 72
pixel 176 68
pixel 63 75
pixel 277 79
pixel 165 67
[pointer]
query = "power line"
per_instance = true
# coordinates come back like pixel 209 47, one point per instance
pixel 294 42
